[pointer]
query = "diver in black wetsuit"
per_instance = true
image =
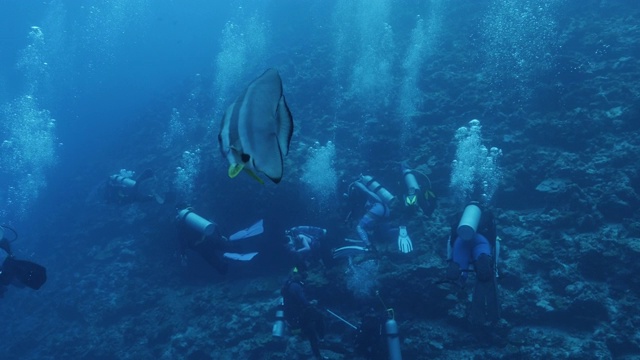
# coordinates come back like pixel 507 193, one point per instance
pixel 370 341
pixel 302 313
pixel 204 237
pixel 208 247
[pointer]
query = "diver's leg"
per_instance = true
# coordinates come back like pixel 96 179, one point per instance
pixel 209 252
pixel 319 323
pixel 309 331
pixel 362 233
pixel 485 304
pixel 461 256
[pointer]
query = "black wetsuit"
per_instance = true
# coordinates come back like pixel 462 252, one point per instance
pixel 208 247
pixel 300 314
pixel 370 338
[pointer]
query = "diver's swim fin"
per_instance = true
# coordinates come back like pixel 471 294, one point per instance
pixel 484 306
pixel 354 241
pixel 27 272
pixel 253 230
pixel 159 199
pixel 147 174
pixel 348 251
pixel 240 257
pixel 404 242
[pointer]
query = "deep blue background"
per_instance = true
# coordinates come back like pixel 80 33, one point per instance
pixel 114 78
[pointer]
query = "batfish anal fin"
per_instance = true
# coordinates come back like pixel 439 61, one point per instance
pixel 254 176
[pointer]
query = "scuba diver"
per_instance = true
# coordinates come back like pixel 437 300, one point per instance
pixel 19 273
pixel 375 220
pixel 369 340
pixel 473 243
pixel 305 243
pixel 302 314
pixel 204 237
pixel 377 201
pixel 123 189
pixel 375 326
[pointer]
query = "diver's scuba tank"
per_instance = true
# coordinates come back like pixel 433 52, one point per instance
pixel 123 181
pixel 279 325
pixel 413 189
pixel 196 222
pixel 469 221
pixel 393 339
pixel 391 330
pixel 374 187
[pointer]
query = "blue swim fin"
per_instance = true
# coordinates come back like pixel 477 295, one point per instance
pixel 253 230
pixel 348 251
pixel 240 257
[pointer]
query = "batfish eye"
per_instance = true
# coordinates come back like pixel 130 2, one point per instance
pixel 245 157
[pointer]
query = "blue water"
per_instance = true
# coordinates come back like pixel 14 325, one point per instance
pixel 88 88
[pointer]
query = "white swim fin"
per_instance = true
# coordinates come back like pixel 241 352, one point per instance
pixel 404 242
pixel 253 230
pixel 240 257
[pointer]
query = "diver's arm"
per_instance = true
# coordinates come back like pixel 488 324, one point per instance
pixel 305 245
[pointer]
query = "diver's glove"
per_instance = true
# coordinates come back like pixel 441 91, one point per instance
pixel 404 242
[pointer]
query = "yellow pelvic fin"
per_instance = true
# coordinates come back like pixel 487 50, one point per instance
pixel 234 170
